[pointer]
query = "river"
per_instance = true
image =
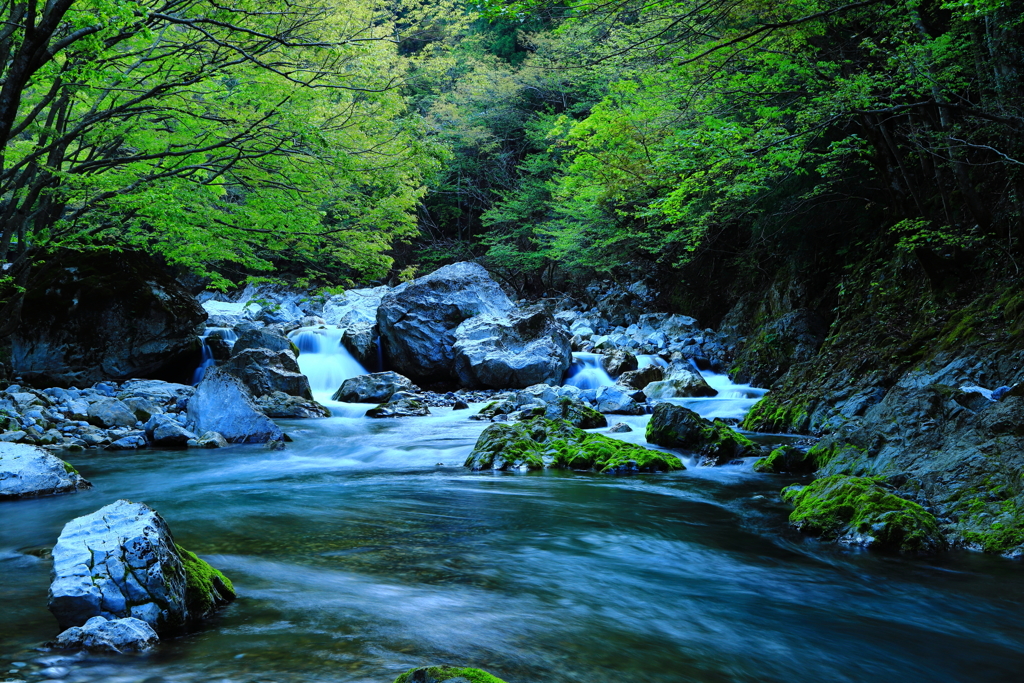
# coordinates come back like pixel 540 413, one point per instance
pixel 365 549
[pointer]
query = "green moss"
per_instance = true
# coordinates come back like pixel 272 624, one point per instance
pixel 541 443
pixel 68 468
pixel 840 507
pixel 439 674
pixel 206 588
pixel 674 426
pixel 772 414
pixel 787 459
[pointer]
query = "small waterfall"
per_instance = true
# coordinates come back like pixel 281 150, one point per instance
pixel 586 372
pixel 645 360
pixel 733 400
pixel 207 359
pixel 324 360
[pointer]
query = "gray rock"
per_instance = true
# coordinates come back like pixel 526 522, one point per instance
pixel 354 306
pixel 104 315
pixel 639 379
pixel 405 407
pixel 360 339
pixel 682 383
pixel 377 387
pixel 618 361
pixel 265 371
pixel 612 399
pixel 143 408
pixel 111 413
pixel 211 440
pixel 159 393
pixel 620 427
pixel 162 430
pixel 417 321
pixel 263 338
pixel 223 404
pixel 280 404
pixel 121 561
pixel 27 471
pixel 128 443
pixel 515 351
pixel 109 635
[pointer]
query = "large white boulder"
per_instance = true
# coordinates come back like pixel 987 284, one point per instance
pixel 27 471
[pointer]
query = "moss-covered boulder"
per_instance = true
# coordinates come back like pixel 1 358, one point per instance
pixel 788 459
pixel 860 511
pixel 206 588
pixel 543 401
pixel 557 444
pixel 447 674
pixel 717 443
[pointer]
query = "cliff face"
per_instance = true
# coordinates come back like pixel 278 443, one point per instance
pixel 918 382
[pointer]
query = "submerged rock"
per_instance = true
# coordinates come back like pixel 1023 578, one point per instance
pixel 223 404
pixel 418 320
pixel 27 471
pixel 402 407
pixel 121 561
pixel 377 387
pixel 512 351
pixel 860 511
pixel 716 442
pixel 557 444
pixel 447 674
pixel 100 634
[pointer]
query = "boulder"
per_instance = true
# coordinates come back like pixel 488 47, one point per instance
pixel 263 338
pixel 717 443
pixel 514 351
pixel 27 471
pixel 639 379
pixel 111 413
pixel 403 407
pixel 556 444
pixel 105 315
pixel 681 383
pixel 543 401
pixel 860 511
pixel 223 404
pixel 121 561
pixel 280 404
pixel 417 321
pixel 360 339
pixel 620 428
pixel 787 459
pixel 162 430
pixel 128 443
pixel 618 361
pixel 377 387
pixel 103 635
pixel 143 408
pixel 612 399
pixel 354 306
pixel 265 371
pixel 166 394
pixel 210 440
pixel 447 674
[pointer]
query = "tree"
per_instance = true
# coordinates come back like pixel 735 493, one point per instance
pixel 204 132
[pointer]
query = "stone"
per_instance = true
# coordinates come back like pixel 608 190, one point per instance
pixel 360 339
pixel 121 561
pixel 354 307
pixel 639 379
pixel 612 399
pixel 142 408
pixel 404 407
pixel 265 371
pixel 715 442
pixel 860 511
pixel 223 404
pixel 128 443
pixel 556 444
pixel 111 413
pixel 268 338
pixel 544 401
pixel 103 635
pixel 104 315
pixel 164 394
pixel 417 321
pixel 681 383
pixel 618 361
pixel 620 427
pixel 27 471
pixel 377 387
pixel 513 351
pixel 281 405
pixel 211 440
pixel 459 404
pixel 162 430
pixel 447 674
pixel 787 459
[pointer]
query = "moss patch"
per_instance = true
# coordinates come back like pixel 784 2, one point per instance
pixel 860 510
pixel 541 443
pixel 787 459
pixel 673 426
pixel 440 674
pixel 206 588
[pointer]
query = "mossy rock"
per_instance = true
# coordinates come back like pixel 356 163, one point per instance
pixel 860 511
pixel 556 444
pixel 573 411
pixel 787 459
pixel 206 588
pixel 716 442
pixel 447 674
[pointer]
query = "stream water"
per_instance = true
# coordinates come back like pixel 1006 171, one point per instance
pixel 365 549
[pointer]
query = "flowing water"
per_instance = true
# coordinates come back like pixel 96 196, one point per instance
pixel 365 549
